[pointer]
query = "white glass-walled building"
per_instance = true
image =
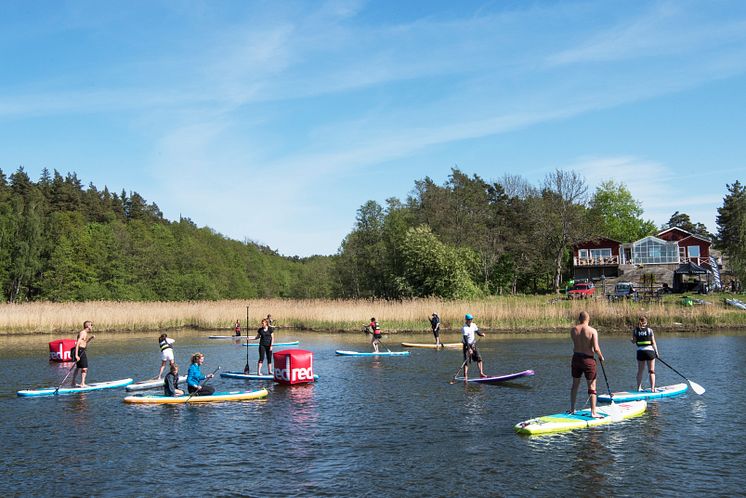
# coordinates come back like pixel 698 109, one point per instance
pixel 652 250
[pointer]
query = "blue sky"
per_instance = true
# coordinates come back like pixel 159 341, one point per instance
pixel 274 121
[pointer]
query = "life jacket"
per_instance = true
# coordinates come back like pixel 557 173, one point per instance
pixel 643 337
pixel 375 328
pixel 164 345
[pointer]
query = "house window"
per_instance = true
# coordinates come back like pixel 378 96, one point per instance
pixel 582 253
pixel 600 253
pixel 693 251
pixel 651 250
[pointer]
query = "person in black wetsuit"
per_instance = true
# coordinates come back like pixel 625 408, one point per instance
pixel 266 338
pixel 435 325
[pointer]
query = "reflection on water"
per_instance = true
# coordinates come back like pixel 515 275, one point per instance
pixel 370 426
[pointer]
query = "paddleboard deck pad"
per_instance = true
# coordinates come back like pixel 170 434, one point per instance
pixel 380 353
pixel 52 391
pixel 497 379
pixel 449 345
pixel 581 419
pixel 161 399
pixel 144 385
pixel 241 375
pixel 660 392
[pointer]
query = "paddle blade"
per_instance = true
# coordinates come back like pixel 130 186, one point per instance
pixel 697 388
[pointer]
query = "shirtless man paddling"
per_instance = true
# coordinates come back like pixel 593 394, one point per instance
pixel 585 346
pixel 79 353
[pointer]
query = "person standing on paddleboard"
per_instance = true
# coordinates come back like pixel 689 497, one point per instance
pixel 647 351
pixel 266 338
pixel 237 328
pixel 79 353
pixel 469 342
pixel 167 352
pixel 435 325
pixel 376 331
pixel 585 346
pixel 195 377
pixel 171 382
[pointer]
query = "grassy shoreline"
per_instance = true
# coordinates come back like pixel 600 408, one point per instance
pixel 510 314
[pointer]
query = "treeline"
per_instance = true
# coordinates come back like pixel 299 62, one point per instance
pixel 473 238
pixel 60 241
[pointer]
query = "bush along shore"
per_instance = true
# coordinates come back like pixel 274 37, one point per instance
pixel 513 314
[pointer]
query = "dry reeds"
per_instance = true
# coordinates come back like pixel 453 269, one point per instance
pixel 510 313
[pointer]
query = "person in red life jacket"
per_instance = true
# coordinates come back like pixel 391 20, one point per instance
pixel 237 329
pixel 376 331
pixel 266 338
pixel 647 351
pixel 78 353
pixel 167 352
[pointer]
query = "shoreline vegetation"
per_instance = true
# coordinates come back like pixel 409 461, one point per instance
pixel 505 314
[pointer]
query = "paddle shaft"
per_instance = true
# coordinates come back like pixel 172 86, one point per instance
pixel 65 378
pixel 246 369
pixel 684 377
pixel 207 379
pixel 467 360
pixel 608 389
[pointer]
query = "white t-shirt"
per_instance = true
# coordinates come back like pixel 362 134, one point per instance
pixel 468 333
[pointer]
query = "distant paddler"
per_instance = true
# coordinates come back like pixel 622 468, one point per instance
pixel 78 353
pixel 375 330
pixel 435 325
pixel 647 351
pixel 237 328
pixel 165 343
pixel 469 333
pixel 585 347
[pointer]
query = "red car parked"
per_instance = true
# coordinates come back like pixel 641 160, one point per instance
pixel 581 290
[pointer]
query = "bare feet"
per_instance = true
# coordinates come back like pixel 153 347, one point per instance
pixel 482 375
pixel 596 415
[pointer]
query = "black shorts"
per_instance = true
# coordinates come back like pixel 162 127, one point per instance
pixel 377 336
pixel 264 350
pixel 83 362
pixel 475 356
pixel 436 332
pixel 645 355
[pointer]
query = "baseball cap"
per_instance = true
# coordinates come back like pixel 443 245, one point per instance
pixel 469 317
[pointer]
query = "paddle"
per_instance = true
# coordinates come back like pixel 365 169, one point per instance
pixel 608 389
pixel 202 384
pixel 453 380
pixel 695 387
pixel 246 369
pixel 380 343
pixel 64 379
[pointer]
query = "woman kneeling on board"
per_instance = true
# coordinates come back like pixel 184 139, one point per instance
pixel 647 351
pixel 171 382
pixel 195 377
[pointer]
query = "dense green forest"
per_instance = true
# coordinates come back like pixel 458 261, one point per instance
pixel 466 238
pixel 60 241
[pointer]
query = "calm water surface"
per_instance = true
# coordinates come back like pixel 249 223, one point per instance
pixel 393 426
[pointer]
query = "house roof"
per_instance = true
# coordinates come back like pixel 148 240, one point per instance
pixel 690 234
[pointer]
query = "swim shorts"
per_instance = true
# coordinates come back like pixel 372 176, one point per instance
pixel 583 364
pixel 645 354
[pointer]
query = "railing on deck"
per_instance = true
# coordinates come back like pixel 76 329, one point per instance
pixel 605 261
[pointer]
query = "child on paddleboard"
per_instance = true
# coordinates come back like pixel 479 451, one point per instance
pixel 165 343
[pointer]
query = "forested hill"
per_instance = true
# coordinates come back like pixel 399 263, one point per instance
pixel 61 241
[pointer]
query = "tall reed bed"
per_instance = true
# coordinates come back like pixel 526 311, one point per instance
pixel 510 313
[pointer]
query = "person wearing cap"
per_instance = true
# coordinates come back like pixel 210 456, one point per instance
pixel 435 324
pixel 469 340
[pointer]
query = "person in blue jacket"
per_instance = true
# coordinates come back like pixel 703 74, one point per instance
pixel 195 377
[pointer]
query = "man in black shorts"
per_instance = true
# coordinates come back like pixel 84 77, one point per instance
pixel 435 325
pixel 78 353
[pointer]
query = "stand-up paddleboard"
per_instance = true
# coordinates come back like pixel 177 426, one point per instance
pixel 275 345
pixel 380 353
pixel 237 337
pixel 497 379
pixel 51 391
pixel 144 385
pixel 241 375
pixel 161 399
pixel 449 345
pixel 736 303
pixel 660 392
pixel 581 419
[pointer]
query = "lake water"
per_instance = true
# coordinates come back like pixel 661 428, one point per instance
pixel 368 427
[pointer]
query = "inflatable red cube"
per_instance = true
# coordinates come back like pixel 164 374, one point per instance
pixel 59 350
pixel 293 366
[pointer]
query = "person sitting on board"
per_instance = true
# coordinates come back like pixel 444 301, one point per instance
pixel 171 382
pixel 585 346
pixel 266 338
pixel 237 329
pixel 647 351
pixel 167 352
pixel 195 377
pixel 78 353
pixel 469 342
pixel 435 325
pixel 376 331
